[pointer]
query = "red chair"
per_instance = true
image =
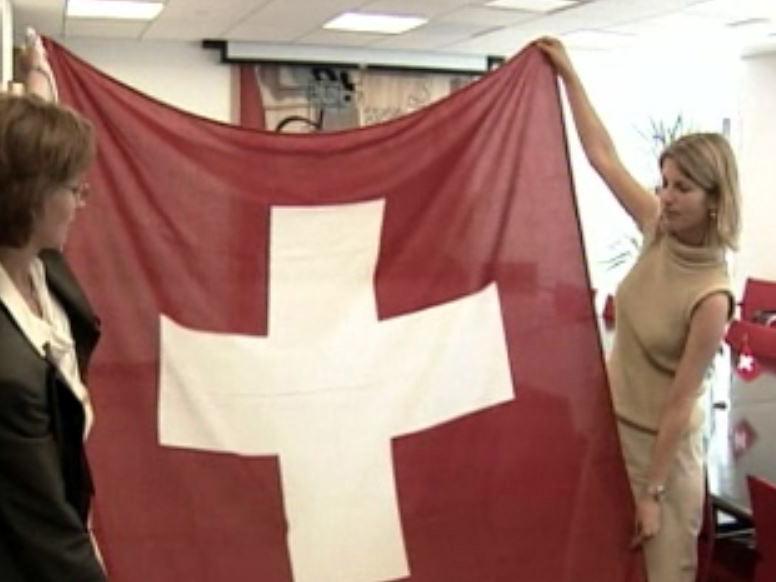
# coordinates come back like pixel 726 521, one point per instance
pixel 761 339
pixel 763 496
pixel 759 295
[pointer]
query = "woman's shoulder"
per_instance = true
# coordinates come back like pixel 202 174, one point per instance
pixel 64 284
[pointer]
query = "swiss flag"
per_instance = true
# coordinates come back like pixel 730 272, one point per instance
pixel 361 356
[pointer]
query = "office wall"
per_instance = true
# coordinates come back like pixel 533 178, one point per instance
pixel 6 43
pixel 758 167
pixel 633 91
pixel 179 73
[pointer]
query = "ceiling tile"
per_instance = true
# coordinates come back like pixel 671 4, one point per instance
pixel 733 10
pixel 426 8
pixel 464 26
pixel 490 17
pixel 433 36
pixel 100 28
pixel 668 24
pixel 199 19
pixel 285 20
pixel 595 39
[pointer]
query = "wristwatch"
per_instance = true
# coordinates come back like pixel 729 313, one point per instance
pixel 656 492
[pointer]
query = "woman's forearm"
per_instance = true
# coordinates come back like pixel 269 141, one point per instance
pixel 38 76
pixel 673 425
pixel 40 82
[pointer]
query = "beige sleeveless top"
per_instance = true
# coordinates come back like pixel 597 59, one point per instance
pixel 654 305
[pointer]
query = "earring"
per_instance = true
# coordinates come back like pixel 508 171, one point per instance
pixel 713 214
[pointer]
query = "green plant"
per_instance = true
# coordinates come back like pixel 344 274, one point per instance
pixel 661 134
pixel 623 251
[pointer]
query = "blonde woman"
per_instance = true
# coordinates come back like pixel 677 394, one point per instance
pixel 672 309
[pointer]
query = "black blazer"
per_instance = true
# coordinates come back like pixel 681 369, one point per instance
pixel 45 484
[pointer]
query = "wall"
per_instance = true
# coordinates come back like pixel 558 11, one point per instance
pixel 758 167
pixel 179 73
pixel 6 43
pixel 631 89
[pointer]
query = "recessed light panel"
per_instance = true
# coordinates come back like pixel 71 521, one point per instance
pixel 378 23
pixel 532 5
pixel 113 9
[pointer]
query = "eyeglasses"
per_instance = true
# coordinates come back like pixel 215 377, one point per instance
pixel 80 191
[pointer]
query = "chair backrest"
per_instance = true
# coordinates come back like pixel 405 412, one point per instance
pixel 759 295
pixel 763 496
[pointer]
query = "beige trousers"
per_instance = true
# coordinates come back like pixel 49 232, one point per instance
pixel 672 555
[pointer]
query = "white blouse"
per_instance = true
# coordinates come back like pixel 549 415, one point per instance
pixel 50 333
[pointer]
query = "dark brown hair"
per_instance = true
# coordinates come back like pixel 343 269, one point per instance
pixel 42 146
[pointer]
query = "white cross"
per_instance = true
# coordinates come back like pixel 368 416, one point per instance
pixel 745 363
pixel 330 387
pixel 741 440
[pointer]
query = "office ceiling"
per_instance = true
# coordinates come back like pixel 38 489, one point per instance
pixel 454 26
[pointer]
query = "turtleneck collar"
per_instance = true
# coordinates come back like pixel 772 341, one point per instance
pixel 696 256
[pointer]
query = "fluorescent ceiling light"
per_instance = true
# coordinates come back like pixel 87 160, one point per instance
pixel 532 5
pixel 119 9
pixel 369 22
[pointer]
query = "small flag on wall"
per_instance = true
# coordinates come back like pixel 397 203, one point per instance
pixel 747 366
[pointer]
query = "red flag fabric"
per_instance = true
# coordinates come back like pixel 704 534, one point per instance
pixel 251 105
pixel 360 356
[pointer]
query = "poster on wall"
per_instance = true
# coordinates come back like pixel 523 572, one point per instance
pixel 306 98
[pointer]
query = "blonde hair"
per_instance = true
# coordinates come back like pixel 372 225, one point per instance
pixel 708 160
